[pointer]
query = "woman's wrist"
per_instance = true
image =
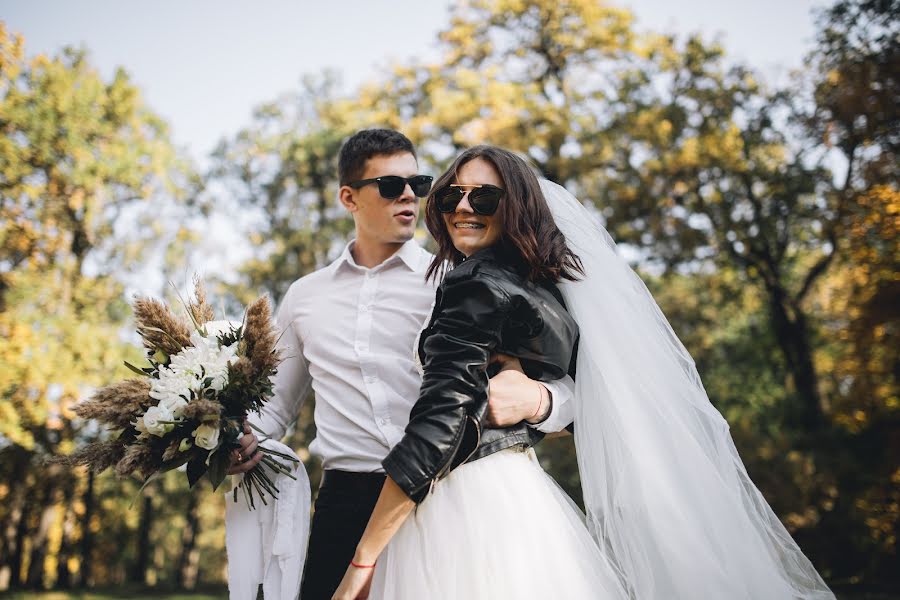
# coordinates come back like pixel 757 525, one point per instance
pixel 364 556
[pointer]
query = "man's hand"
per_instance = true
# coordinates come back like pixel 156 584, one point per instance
pixel 514 397
pixel 246 457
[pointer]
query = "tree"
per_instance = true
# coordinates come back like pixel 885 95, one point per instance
pixel 282 169
pixel 77 156
pixel 686 157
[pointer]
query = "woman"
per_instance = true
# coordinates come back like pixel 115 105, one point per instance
pixel 498 526
pixel 667 497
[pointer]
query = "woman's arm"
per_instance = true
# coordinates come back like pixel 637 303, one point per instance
pixel 458 346
pixel 391 510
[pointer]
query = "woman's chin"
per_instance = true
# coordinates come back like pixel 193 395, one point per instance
pixel 469 245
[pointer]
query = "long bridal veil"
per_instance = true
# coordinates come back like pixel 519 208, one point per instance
pixel 666 494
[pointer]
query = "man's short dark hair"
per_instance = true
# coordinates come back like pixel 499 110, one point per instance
pixel 365 144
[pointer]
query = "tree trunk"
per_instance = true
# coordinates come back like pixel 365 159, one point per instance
pixel 12 529
pixel 139 569
pixel 18 552
pixel 39 542
pixel 87 536
pixel 793 339
pixel 190 555
pixel 63 575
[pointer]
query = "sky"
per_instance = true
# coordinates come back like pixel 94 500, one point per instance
pixel 203 65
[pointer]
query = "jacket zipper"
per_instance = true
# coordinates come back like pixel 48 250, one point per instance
pixel 446 467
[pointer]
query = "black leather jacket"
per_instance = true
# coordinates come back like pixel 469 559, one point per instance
pixel 483 307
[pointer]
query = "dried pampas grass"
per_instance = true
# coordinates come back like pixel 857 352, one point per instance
pixel 159 327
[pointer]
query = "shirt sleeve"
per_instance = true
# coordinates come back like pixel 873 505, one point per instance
pixel 292 381
pixel 562 408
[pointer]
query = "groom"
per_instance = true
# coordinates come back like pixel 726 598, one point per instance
pixel 349 330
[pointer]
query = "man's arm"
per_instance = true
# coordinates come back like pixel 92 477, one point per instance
pixel 291 385
pixel 562 406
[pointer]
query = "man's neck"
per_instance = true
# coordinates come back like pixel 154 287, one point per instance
pixel 370 254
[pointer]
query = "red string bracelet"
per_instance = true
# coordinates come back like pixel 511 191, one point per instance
pixel 372 566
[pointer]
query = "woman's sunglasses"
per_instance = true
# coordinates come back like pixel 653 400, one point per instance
pixel 484 199
pixel 392 186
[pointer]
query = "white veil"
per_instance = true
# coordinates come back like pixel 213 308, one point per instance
pixel 666 494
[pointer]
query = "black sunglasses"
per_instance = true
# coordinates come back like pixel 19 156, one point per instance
pixel 392 186
pixel 484 199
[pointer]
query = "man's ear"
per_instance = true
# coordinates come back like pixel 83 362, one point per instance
pixel 345 195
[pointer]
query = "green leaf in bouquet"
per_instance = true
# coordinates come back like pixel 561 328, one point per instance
pixel 175 463
pixel 227 338
pixel 137 370
pixel 218 464
pixel 196 468
pixel 165 333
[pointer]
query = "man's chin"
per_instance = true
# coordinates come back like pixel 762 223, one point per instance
pixel 404 236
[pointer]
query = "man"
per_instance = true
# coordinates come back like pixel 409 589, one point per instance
pixel 349 330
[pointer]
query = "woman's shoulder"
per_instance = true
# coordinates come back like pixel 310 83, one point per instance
pixel 485 268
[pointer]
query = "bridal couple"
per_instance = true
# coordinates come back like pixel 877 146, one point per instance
pixel 435 375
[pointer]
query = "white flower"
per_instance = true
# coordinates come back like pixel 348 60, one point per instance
pixel 152 420
pixel 204 360
pixel 207 436
pixel 171 388
pixel 217 328
pixel 189 369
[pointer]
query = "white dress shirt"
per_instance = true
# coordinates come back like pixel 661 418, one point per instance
pixel 347 332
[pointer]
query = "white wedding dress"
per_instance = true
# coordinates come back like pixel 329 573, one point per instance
pixel 498 527
pixel 495 528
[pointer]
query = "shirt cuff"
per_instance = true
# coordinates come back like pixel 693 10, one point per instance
pixel 562 406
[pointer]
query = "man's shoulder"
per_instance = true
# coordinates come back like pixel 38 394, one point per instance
pixel 310 281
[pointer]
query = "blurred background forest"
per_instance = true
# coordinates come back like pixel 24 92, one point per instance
pixel 763 216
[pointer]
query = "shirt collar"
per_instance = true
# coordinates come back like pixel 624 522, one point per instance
pixel 410 254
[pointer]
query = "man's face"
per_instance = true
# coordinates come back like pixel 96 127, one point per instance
pixel 389 221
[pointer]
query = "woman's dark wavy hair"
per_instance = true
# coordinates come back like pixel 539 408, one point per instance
pixel 529 236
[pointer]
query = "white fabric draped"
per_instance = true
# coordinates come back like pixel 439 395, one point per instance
pixel 267 545
pixel 666 494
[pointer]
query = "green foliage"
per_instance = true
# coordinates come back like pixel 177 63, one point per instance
pixel 78 153
pixel 282 170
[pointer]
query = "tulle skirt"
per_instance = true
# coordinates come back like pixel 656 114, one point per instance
pixel 495 528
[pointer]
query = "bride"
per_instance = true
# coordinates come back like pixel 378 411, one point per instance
pixel 671 512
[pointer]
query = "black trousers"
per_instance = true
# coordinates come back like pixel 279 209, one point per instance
pixel 343 508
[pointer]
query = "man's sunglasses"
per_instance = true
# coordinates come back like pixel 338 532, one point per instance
pixel 392 186
pixel 484 199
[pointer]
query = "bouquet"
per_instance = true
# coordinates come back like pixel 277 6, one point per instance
pixel 189 405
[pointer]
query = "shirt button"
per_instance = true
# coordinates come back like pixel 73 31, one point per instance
pixel 364 308
pixel 370 379
pixel 384 421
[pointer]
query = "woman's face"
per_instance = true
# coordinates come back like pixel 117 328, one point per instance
pixel 471 232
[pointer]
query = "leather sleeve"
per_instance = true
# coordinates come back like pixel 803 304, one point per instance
pixel 464 333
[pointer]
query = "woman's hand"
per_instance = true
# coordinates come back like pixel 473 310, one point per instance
pixel 355 584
